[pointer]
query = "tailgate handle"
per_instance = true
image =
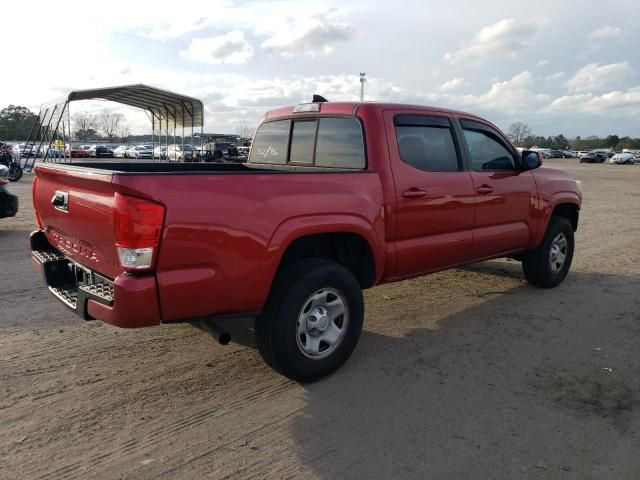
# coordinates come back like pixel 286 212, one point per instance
pixel 60 200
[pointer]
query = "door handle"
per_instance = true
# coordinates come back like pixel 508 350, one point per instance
pixel 414 193
pixel 484 189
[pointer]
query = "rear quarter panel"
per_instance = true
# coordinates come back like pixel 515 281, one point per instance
pixel 224 235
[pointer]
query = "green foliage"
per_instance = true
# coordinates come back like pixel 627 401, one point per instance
pixel 16 122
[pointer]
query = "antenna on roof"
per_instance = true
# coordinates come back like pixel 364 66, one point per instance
pixel 318 98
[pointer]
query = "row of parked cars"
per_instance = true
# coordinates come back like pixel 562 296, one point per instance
pixel 600 156
pixel 594 156
pixel 173 152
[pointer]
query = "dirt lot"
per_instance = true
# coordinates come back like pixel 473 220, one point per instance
pixel 465 374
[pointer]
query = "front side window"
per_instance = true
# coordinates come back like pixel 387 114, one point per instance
pixel 270 143
pixel 427 147
pixel 487 153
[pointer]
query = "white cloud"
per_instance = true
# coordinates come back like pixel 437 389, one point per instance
pixel 308 36
pixel 556 76
pixel 626 102
pixel 594 77
pixel 453 84
pixel 516 95
pixel 605 32
pixel 228 48
pixel 506 37
pixel 542 63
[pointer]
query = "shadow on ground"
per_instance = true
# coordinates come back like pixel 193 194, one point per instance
pixel 528 384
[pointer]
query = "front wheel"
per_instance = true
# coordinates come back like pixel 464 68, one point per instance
pixel 312 321
pixel 15 172
pixel 548 265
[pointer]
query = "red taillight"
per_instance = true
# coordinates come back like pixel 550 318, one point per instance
pixel 138 226
pixel 3 181
pixel 35 205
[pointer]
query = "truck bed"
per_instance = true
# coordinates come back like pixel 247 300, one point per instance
pixel 226 226
pixel 163 167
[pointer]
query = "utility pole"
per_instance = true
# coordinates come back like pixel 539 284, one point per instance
pixel 363 79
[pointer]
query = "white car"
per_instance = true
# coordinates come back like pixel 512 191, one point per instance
pixel 120 151
pixel 140 151
pixel 623 159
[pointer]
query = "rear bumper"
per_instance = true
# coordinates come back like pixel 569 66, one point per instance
pixel 8 203
pixel 126 301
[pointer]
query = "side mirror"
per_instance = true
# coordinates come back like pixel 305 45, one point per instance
pixel 531 159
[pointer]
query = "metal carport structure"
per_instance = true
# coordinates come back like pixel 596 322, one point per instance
pixel 164 108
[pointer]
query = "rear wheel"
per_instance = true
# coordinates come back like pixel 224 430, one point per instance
pixel 548 265
pixel 312 320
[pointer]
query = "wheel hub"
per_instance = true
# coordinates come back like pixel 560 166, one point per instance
pixel 322 323
pixel 558 253
pixel 318 321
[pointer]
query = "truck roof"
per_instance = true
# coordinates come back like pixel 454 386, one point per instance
pixel 350 108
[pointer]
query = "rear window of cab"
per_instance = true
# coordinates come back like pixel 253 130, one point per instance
pixel 326 142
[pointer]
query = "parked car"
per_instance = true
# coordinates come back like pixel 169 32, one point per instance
pixel 181 153
pixel 295 234
pixel 100 151
pixel 593 157
pixel 76 152
pixel 623 159
pixel 121 151
pixel 53 153
pixel 8 201
pixel 140 151
pixel 26 151
pixel 221 151
pixel 160 152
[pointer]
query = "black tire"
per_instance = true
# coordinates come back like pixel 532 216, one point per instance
pixel 276 328
pixel 536 263
pixel 15 172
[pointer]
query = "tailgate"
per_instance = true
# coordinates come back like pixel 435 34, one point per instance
pixel 81 223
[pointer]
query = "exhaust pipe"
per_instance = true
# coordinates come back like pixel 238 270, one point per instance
pixel 222 337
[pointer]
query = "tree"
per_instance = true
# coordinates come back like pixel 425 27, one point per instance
pixel 109 124
pixel 85 125
pixel 244 131
pixel 518 131
pixel 124 133
pixel 16 122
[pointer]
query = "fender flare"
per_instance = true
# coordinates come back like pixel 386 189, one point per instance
pixel 297 227
pixel 558 198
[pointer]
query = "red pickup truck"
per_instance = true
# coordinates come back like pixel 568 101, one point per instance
pixel 334 198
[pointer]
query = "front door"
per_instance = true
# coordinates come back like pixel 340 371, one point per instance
pixel 505 194
pixel 434 194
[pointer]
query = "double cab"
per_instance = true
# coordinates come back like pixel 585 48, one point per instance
pixel 334 198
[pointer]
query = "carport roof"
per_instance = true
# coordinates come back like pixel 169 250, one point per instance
pixel 164 105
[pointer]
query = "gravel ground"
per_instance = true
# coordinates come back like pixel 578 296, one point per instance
pixel 469 373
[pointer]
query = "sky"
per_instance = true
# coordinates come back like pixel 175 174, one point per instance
pixel 570 67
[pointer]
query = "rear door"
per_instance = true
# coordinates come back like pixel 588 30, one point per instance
pixel 505 195
pixel 434 193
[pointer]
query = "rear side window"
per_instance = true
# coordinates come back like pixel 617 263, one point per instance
pixel 270 143
pixel 340 143
pixel 428 147
pixel 328 142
